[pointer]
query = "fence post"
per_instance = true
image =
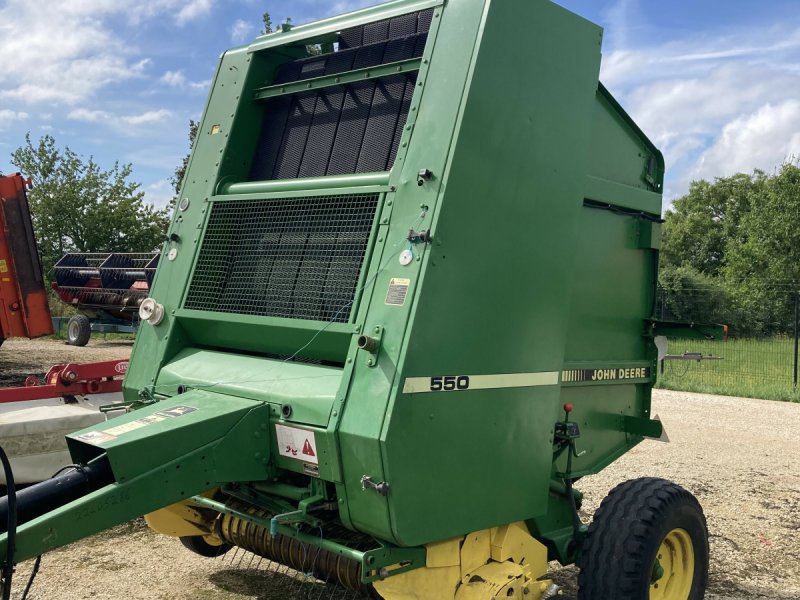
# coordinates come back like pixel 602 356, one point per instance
pixel 796 331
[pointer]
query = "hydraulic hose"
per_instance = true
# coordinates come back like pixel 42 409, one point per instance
pixel 10 527
pixel 40 499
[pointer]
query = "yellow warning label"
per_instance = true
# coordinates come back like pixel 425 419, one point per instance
pixel 397 292
pixel 3 266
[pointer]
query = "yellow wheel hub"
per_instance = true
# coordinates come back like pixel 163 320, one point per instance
pixel 674 567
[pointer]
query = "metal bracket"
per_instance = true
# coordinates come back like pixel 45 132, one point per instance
pixel 375 564
pixel 382 488
pixel 372 344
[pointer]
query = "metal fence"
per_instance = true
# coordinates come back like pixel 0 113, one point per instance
pixel 754 360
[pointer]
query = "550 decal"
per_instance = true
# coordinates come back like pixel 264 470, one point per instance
pixel 458 383
pixel 449 383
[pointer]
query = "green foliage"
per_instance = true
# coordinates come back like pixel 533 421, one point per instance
pixel 692 296
pixel 267 20
pixel 77 206
pixel 735 244
pixel 180 170
pixel 700 225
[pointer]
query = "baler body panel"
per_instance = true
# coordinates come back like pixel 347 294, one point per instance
pixel 409 262
pixel 496 297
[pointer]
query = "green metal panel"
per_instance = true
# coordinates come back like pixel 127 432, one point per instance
pixel 492 297
pixel 309 388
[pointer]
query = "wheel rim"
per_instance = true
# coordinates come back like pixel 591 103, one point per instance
pixel 673 571
pixel 72 331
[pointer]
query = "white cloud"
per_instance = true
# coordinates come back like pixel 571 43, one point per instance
pixel 159 193
pixel 8 116
pixel 714 104
pixel 178 80
pixel 90 116
pixel 762 139
pixel 193 10
pixel 241 31
pixel 65 52
pixel 60 54
pixel 148 118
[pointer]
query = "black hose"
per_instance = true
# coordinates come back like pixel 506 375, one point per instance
pixel 39 499
pixel 11 526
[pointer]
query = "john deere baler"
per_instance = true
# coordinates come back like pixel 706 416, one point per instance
pixel 406 302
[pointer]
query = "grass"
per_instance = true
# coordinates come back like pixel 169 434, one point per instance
pixel 750 368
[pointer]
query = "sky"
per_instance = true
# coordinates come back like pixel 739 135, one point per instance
pixel 714 83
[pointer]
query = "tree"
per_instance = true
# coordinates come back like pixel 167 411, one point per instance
pixel 699 226
pixel 180 170
pixel 690 296
pixel 764 265
pixel 77 206
pixel 731 252
pixel 267 19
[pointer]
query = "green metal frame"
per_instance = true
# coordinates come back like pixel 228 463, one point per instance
pixel 318 83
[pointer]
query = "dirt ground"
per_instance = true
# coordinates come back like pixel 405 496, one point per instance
pixel 741 457
pixel 20 357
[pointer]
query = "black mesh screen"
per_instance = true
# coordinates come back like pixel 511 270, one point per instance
pixel 297 258
pixel 343 129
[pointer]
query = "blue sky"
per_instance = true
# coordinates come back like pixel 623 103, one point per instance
pixel 714 83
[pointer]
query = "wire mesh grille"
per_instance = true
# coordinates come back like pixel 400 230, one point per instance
pixel 297 258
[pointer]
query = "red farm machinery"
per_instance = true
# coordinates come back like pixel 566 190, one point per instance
pixel 106 289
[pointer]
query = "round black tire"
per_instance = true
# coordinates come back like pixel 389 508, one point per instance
pixel 199 545
pixel 618 559
pixel 79 330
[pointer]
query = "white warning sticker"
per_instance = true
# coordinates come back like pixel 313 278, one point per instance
pixel 294 442
pixel 96 437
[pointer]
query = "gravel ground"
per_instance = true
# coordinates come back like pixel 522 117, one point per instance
pixel 20 357
pixel 739 456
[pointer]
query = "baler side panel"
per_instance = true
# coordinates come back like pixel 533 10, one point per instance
pixel 493 300
pixel 614 286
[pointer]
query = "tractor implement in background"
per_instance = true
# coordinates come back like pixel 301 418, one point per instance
pixel 406 305
pixel 107 289
pixel 35 418
pixel 23 299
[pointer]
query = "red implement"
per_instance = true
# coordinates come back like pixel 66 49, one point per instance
pixel 70 380
pixel 23 300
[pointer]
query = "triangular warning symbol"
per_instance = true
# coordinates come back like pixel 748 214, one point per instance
pixel 307 449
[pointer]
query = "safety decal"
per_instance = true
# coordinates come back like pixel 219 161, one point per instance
pixel 176 411
pixel 397 292
pixel 294 442
pixel 3 266
pixel 125 428
pixel 98 437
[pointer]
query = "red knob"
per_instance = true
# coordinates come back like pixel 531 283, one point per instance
pixel 568 407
